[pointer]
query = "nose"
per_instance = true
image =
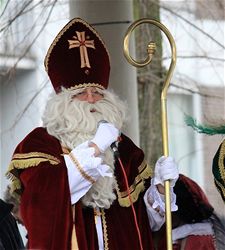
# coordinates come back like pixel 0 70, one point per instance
pixel 90 98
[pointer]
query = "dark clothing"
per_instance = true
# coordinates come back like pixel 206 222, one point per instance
pixel 10 238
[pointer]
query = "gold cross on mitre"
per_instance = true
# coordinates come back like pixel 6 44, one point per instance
pixel 83 44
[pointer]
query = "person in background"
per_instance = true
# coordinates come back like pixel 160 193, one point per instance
pixel 10 199
pixel 82 183
pixel 10 238
pixel 218 169
pixel 195 224
pixel 218 162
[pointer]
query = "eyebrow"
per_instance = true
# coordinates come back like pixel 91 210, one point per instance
pixel 92 90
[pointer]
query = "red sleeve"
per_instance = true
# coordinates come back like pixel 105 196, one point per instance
pixel 46 208
pixel 45 197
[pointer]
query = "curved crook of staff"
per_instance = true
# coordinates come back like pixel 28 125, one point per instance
pixel 151 50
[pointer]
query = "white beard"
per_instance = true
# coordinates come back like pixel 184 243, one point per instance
pixel 72 122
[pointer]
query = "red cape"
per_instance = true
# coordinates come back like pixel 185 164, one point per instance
pixel 39 174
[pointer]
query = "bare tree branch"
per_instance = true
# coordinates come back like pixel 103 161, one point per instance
pixel 193 25
pixel 194 91
pixel 21 114
pixel 10 21
pixel 33 41
pixel 5 8
pixel 198 57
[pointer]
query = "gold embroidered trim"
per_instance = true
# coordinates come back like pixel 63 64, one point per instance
pixel 142 175
pixel 220 188
pixel 79 41
pixel 105 232
pixel 86 85
pixel 55 41
pixel 80 169
pixel 221 161
pixel 145 171
pixel 23 161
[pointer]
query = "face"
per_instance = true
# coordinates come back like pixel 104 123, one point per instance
pixel 89 94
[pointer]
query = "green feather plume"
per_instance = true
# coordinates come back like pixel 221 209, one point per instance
pixel 205 129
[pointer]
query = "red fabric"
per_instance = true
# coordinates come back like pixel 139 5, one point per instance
pixel 195 190
pixel 122 233
pixel 192 203
pixel 192 242
pixel 63 65
pixel 45 202
pixel 200 242
pixel 46 207
pixel 131 157
pixel 85 228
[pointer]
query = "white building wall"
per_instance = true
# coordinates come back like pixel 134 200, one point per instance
pixel 195 38
pixel 111 19
pixel 25 91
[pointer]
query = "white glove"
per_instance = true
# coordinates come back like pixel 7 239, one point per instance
pixel 90 164
pixel 105 135
pixel 79 183
pixel 166 169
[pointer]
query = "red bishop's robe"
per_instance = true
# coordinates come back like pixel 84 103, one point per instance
pixel 39 176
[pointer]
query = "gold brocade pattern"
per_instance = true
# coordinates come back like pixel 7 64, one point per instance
pixel 145 171
pixel 105 233
pixel 220 187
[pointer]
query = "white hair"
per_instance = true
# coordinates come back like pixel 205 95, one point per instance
pixel 72 122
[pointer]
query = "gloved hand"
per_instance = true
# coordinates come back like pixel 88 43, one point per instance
pixel 90 164
pixel 83 158
pixel 166 169
pixel 105 135
pixel 83 170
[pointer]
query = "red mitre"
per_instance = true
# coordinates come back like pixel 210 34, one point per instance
pixel 77 58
